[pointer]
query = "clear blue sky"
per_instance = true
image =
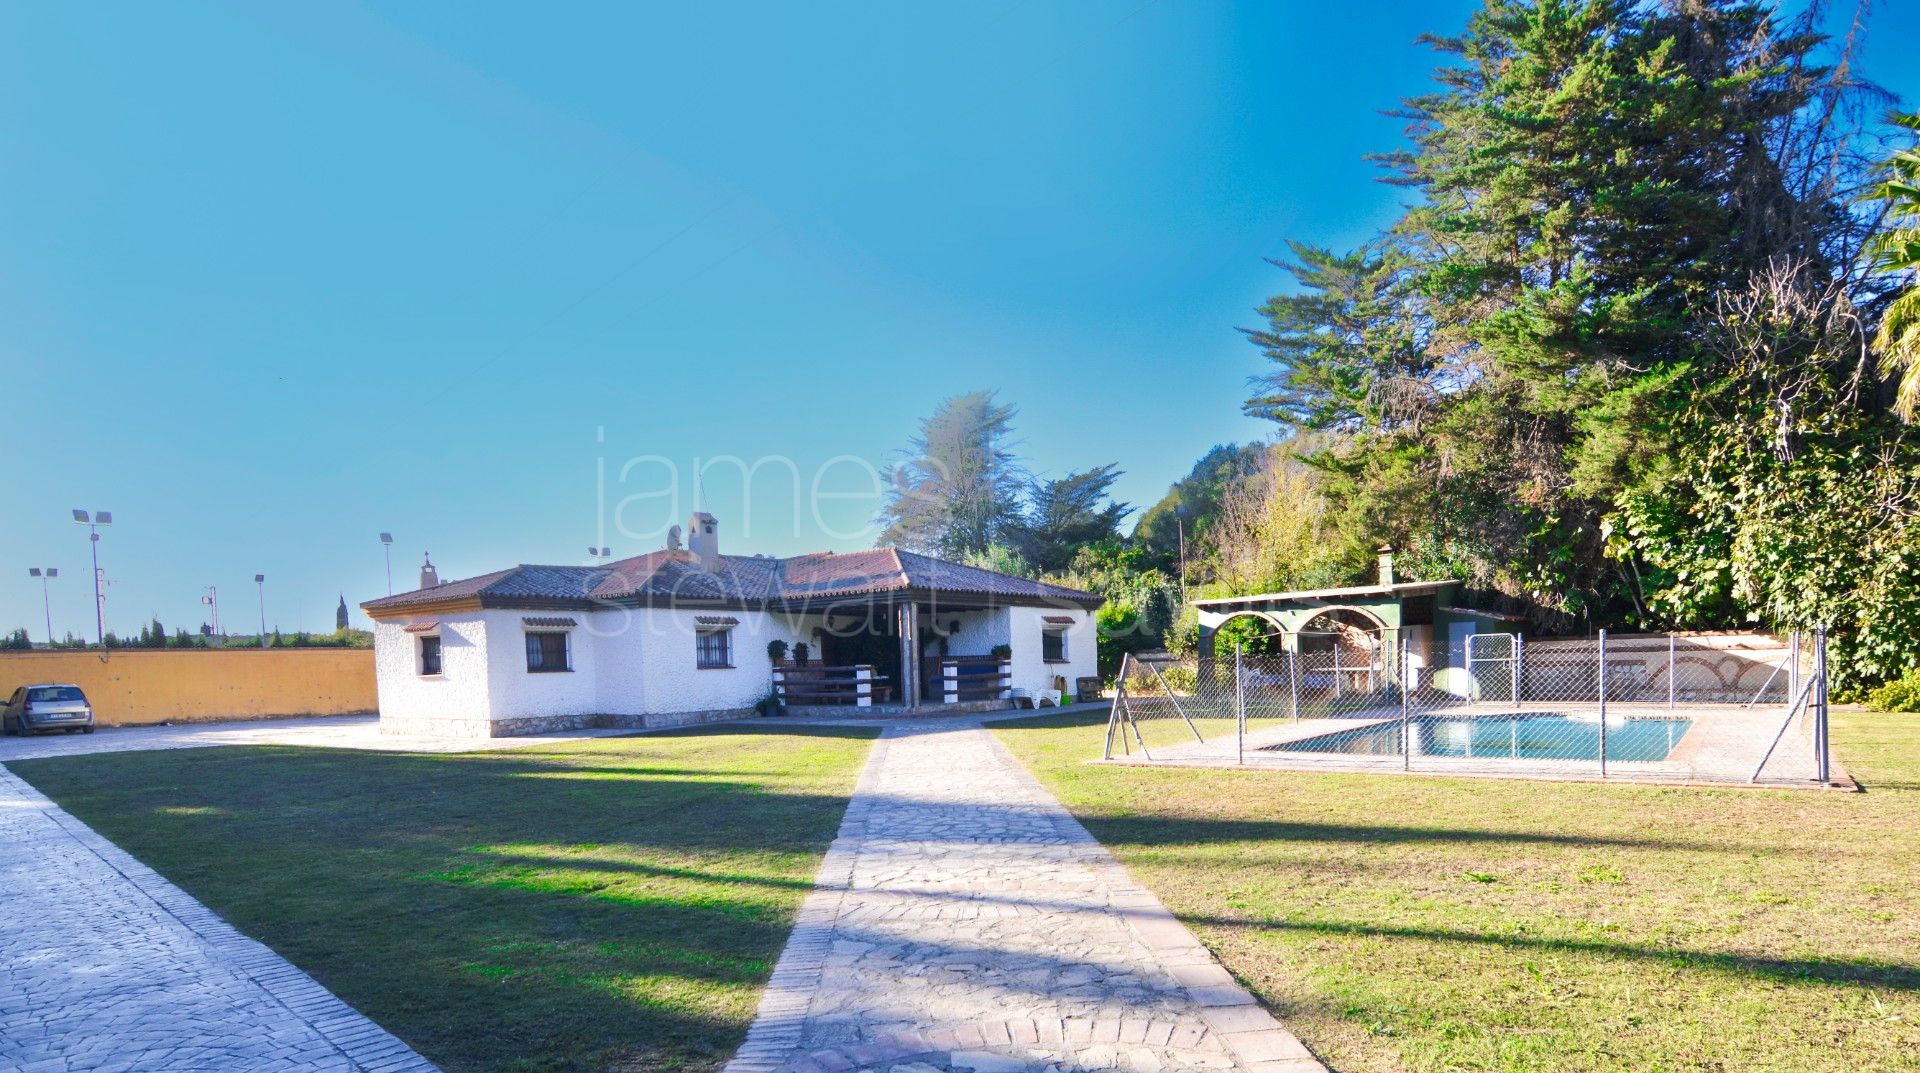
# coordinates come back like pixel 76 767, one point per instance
pixel 274 278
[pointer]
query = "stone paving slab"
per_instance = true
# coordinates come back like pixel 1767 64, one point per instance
pixel 105 966
pixel 963 920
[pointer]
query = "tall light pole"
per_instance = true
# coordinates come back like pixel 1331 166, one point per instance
pixel 46 603
pixel 212 600
pixel 260 580
pixel 93 524
pixel 1180 521
pixel 386 539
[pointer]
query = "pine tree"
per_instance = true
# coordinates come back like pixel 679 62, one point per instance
pixel 1065 515
pixel 960 485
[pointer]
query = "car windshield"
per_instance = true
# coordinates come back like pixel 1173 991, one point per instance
pixel 57 694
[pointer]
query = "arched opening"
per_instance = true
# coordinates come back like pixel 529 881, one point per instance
pixel 1352 642
pixel 1255 633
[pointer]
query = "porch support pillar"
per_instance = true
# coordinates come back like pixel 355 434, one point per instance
pixel 909 653
pixel 1203 664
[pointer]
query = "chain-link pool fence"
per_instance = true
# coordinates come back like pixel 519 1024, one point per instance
pixel 1715 708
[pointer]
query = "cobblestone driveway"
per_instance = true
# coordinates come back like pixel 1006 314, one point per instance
pixel 963 920
pixel 105 966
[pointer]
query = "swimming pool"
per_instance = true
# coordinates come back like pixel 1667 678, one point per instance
pixel 1522 736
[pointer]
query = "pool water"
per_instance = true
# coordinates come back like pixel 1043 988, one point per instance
pixel 1530 736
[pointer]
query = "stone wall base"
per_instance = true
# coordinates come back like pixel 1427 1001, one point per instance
pixel 521 726
pixel 895 711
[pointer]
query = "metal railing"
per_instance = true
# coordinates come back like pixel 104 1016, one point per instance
pixel 1669 707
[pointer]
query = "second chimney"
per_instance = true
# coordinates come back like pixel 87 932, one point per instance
pixel 1386 564
pixel 703 539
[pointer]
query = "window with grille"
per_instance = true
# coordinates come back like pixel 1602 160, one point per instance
pixel 1053 645
pixel 547 651
pixel 713 648
pixel 430 654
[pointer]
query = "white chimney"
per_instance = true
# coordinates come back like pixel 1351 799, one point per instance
pixel 1386 564
pixel 429 577
pixel 703 539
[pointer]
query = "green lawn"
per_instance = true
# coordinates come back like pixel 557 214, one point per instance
pixel 607 905
pixel 1415 923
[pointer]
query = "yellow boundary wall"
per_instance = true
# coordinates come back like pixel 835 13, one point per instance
pixel 134 687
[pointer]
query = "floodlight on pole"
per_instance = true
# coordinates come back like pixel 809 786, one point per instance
pixel 599 553
pixel 212 600
pixel 260 580
pixel 46 603
pixel 387 540
pixel 93 524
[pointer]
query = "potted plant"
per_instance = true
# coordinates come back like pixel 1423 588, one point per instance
pixel 1001 652
pixel 770 704
pixel 776 650
pixel 800 653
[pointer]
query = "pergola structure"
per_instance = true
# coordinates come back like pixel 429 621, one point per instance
pixel 1425 619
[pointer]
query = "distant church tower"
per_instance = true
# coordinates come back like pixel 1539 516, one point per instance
pixel 340 615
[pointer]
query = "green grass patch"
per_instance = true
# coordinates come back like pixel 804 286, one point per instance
pixel 1416 923
pixel 614 904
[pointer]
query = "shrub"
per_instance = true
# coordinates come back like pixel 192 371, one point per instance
pixel 776 650
pixel 1900 695
pixel 1181 677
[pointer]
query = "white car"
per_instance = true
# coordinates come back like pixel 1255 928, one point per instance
pixel 47 706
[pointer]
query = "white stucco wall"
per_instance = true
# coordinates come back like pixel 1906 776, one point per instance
pixel 517 693
pixel 458 694
pixel 979 631
pixel 1029 670
pixel 644 662
pixel 657 663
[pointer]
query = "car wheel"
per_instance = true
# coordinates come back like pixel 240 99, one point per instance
pixel 88 729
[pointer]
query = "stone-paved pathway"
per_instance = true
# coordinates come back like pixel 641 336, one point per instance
pixel 105 966
pixel 963 920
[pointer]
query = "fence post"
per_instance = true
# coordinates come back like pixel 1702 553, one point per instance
pixel 1293 676
pixel 1603 703
pixel 1793 665
pixel 1820 757
pixel 1406 703
pixel 1517 650
pixel 1239 706
pixel 1673 668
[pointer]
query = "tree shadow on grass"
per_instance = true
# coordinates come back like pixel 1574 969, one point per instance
pixel 361 868
pixel 1890 975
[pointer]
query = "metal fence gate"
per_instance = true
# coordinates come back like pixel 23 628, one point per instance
pixel 1708 708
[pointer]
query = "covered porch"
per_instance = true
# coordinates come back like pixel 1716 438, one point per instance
pixel 901 654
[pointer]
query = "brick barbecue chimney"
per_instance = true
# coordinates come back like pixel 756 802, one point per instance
pixel 1386 564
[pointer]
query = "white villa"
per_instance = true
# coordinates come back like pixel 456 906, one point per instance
pixel 682 635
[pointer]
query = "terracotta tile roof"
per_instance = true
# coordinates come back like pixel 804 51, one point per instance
pixel 675 577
